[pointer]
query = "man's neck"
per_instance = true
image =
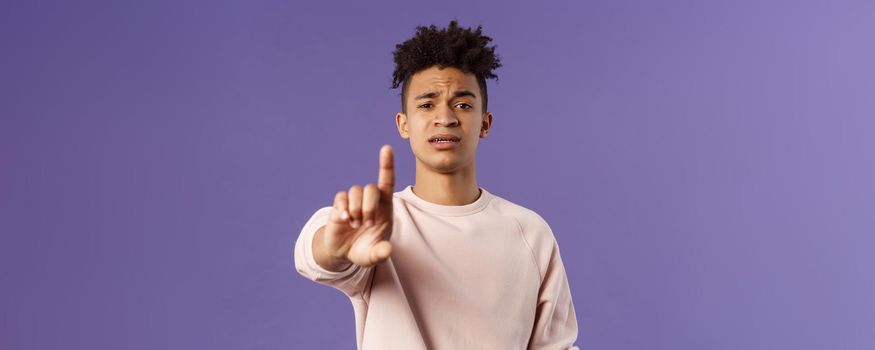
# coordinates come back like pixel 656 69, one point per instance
pixel 457 188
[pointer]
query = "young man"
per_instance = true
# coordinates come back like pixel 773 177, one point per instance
pixel 442 264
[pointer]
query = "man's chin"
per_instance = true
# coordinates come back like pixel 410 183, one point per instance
pixel 443 167
pixel 446 170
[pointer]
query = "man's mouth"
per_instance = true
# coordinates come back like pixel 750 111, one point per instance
pixel 444 138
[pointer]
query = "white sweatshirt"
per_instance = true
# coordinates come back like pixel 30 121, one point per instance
pixel 485 275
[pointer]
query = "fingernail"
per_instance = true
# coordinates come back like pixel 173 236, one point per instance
pixel 368 223
pixel 344 215
pixel 354 224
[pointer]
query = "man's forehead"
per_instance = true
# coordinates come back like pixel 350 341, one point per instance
pixel 439 80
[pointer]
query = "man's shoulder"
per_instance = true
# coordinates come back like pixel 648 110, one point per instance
pixel 534 230
pixel 528 219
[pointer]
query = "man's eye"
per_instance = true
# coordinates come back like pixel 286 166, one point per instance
pixel 425 106
pixel 464 106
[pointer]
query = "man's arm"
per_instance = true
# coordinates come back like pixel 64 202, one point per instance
pixel 555 325
pixel 555 320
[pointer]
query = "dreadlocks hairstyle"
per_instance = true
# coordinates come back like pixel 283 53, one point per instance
pixel 462 48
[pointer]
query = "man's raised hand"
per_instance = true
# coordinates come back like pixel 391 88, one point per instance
pixel 360 223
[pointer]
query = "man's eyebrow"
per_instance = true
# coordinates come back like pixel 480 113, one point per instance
pixel 457 93
pixel 460 93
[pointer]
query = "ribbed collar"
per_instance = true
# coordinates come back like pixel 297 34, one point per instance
pixel 446 210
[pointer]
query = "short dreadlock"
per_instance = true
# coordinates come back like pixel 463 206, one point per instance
pixel 462 48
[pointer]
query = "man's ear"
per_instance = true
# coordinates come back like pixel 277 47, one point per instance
pixel 486 124
pixel 401 122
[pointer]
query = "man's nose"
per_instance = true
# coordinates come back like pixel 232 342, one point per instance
pixel 446 116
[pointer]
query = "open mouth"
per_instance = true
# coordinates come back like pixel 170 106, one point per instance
pixel 444 142
pixel 444 139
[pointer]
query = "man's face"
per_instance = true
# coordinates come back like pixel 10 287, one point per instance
pixel 446 104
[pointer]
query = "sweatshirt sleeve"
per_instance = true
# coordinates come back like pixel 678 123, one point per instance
pixel 555 320
pixel 351 281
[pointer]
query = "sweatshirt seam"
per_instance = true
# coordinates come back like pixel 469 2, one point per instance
pixel 531 251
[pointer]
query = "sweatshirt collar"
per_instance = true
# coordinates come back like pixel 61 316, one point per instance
pixel 446 210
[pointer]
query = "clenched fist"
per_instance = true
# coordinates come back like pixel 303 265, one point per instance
pixel 360 224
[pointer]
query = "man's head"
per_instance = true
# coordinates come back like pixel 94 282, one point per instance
pixel 442 74
pixel 461 48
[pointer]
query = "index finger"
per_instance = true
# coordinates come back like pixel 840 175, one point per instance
pixel 386 179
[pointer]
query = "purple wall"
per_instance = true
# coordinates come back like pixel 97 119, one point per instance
pixel 707 167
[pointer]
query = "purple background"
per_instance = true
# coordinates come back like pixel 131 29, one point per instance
pixel 707 167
